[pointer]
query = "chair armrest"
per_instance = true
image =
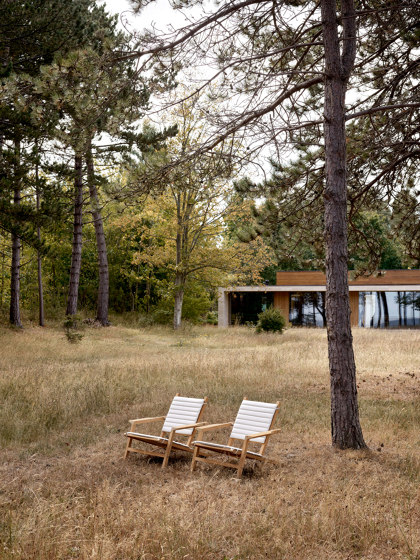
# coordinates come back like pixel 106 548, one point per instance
pixel 146 420
pixel 186 426
pixel 261 434
pixel 210 427
pixel 215 426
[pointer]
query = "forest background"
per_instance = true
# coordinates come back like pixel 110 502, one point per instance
pixel 93 213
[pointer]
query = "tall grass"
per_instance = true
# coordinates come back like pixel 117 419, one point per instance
pixel 66 493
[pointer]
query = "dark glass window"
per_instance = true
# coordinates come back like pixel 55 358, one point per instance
pixel 245 306
pixel 307 309
pixel 389 309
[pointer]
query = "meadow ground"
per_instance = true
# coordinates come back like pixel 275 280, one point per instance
pixel 66 493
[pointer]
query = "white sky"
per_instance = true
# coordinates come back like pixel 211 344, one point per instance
pixel 159 13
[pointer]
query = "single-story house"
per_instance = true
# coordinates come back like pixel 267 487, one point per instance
pixel 390 298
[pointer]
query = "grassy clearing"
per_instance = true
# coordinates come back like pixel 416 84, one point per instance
pixel 65 492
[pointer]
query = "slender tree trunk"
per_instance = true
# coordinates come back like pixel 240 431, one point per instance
pixel 179 276
pixel 15 274
pixel 16 250
pixel 148 292
pixel 40 287
pixel 345 426
pixel 103 289
pixel 179 298
pixel 76 255
pixel 3 271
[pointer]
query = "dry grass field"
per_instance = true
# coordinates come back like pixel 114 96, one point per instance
pixel 66 493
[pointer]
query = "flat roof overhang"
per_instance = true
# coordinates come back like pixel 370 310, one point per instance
pixel 303 288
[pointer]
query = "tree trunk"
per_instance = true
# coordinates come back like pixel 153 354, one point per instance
pixel 40 287
pixel 179 298
pixel 76 255
pixel 3 269
pixel 103 289
pixel 345 426
pixel 15 274
pixel 16 249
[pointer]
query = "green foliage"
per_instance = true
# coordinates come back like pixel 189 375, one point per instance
pixel 270 320
pixel 72 328
pixel 196 305
pixel 211 318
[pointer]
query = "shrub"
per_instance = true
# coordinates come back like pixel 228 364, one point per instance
pixel 211 318
pixel 72 328
pixel 271 320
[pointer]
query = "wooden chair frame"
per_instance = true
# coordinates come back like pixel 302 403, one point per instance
pixel 169 443
pixel 203 451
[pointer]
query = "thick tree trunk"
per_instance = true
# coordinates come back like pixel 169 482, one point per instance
pixel 103 289
pixel 345 425
pixel 76 255
pixel 14 315
pixel 179 298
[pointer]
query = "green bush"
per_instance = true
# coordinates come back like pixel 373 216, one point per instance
pixel 270 320
pixel 211 318
pixel 72 328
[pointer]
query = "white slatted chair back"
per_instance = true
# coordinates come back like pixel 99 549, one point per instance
pixel 253 417
pixel 182 411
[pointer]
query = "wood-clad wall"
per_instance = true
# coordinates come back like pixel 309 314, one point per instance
pixel 354 309
pixel 293 278
pixel 281 302
pixel 317 278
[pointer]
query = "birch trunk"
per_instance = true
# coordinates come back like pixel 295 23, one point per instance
pixel 76 255
pixel 103 288
pixel 345 425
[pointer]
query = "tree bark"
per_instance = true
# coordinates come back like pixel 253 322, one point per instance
pixel 14 315
pixel 76 255
pixel 345 425
pixel 40 286
pixel 103 288
pixel 182 210
pixel 179 298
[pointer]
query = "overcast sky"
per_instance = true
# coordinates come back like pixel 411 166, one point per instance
pixel 159 13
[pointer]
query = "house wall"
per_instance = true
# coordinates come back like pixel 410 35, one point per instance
pixel 354 308
pixel 317 278
pixel 314 281
pixel 281 302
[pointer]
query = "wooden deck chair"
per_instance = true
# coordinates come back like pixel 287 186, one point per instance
pixel 253 424
pixel 183 418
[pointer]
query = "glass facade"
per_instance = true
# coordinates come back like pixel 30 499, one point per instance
pixel 245 306
pixel 307 309
pixel 389 309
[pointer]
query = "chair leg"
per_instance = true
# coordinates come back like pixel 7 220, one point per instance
pixel 168 450
pixel 127 447
pixel 242 458
pixel 194 458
